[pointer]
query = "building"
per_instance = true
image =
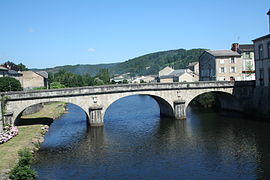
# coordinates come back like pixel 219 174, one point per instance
pixel 194 66
pixel 145 79
pixel 32 79
pixel 248 60
pixel 165 71
pixel 220 65
pixel 262 60
pixel 179 75
pixel 3 71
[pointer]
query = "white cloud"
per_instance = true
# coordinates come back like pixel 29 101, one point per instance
pixel 91 50
pixel 31 30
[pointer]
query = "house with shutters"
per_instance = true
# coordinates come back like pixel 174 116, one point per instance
pixel 220 65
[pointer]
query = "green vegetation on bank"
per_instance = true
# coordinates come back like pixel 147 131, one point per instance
pixel 23 171
pixel 9 150
pixel 27 135
pixel 52 110
pixel 206 100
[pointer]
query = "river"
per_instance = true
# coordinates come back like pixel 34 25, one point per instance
pixel 136 144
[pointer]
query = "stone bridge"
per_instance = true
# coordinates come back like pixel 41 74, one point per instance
pixel 173 98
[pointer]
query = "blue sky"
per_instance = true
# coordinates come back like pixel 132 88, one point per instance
pixel 48 33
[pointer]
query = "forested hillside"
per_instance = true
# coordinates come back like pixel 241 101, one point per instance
pixel 143 65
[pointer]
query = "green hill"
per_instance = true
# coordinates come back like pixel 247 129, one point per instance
pixel 143 65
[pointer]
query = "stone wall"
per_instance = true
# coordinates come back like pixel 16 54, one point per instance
pixel 33 109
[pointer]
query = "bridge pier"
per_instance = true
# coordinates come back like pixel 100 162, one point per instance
pixel 179 109
pixel 96 117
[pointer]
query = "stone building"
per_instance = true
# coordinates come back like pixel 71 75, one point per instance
pixel 220 65
pixel 35 79
pixel 194 66
pixel 248 60
pixel 262 59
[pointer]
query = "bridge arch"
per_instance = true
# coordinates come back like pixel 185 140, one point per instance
pixel 166 108
pixel 226 100
pixel 19 107
pixel 43 120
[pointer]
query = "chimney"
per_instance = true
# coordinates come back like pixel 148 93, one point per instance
pixel 268 13
pixel 235 47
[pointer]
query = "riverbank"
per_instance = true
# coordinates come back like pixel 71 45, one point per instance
pixel 29 137
pixel 52 110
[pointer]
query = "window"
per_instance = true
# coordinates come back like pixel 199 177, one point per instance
pixel 261 77
pixel 221 61
pixel 222 70
pixel 233 69
pixel 232 59
pixel 260 51
pixel 268 49
pixel 247 55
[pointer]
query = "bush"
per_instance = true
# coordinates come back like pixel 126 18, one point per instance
pixel 23 171
pixel 56 85
pixel 9 84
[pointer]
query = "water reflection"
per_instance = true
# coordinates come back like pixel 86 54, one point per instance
pixel 136 144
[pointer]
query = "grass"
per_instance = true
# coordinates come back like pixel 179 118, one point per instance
pixel 9 150
pixel 53 110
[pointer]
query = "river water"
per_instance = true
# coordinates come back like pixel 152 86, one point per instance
pixel 136 144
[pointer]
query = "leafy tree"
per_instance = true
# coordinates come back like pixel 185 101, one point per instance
pixel 98 82
pixel 9 84
pixel 22 67
pixel 125 81
pixel 205 100
pixel 56 85
pixel 104 75
pixel 15 67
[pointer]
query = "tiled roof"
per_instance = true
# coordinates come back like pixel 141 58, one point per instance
pixel 12 72
pixel 223 53
pixel 43 74
pixel 175 73
pixel 192 64
pixel 3 68
pixel 246 47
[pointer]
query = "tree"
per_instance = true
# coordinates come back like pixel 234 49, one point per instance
pixel 56 85
pixel 15 67
pixel 104 75
pixel 98 82
pixel 9 84
pixel 22 67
